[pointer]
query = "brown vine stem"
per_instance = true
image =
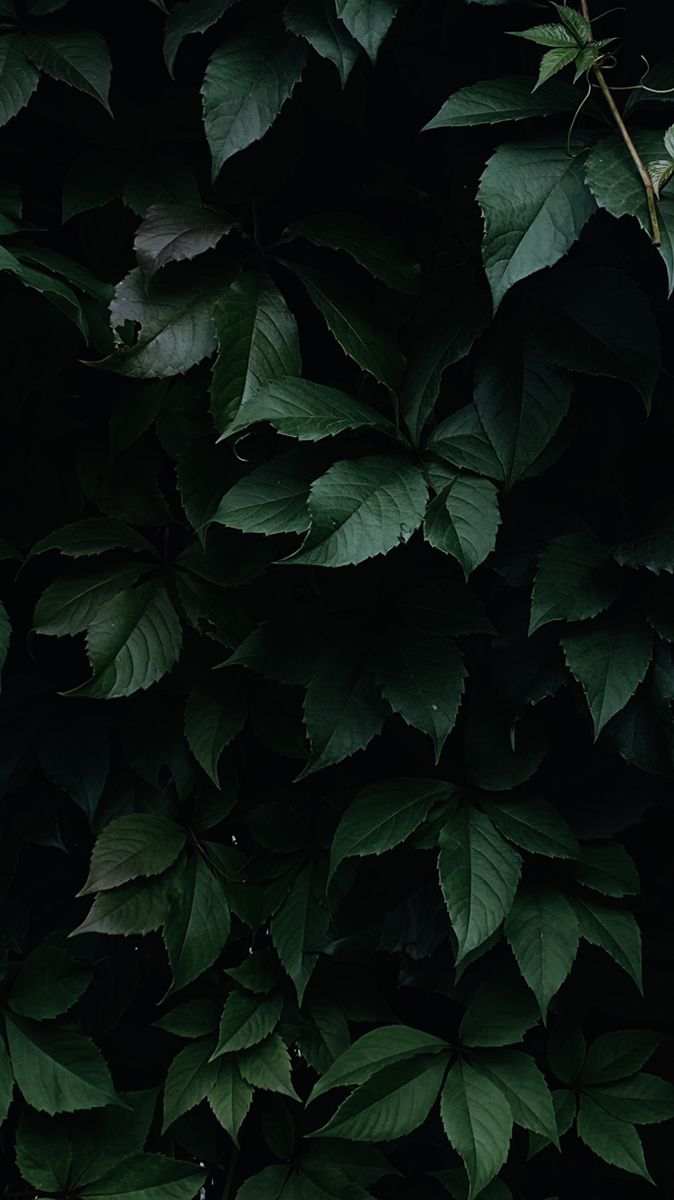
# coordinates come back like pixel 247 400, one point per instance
pixel 625 133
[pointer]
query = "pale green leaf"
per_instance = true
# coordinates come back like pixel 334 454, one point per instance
pixel 478 1122
pixel 422 677
pixel 247 1020
pixel 133 845
pixel 543 933
pixel 195 16
pixel 463 521
pixel 247 82
pixel 298 925
pixel 257 343
pixel 384 815
pixel 574 581
pixel 230 1098
pixel 18 77
pixel 198 922
pixel 317 22
pixel 368 21
pixel 308 411
pixel 479 874
pixel 189 1078
pixel 609 658
pixel 350 322
pixel 267 1066
pixel 617 1142
pixel 392 1103
pixel 534 824
pixel 134 639
pixel 214 715
pixel 58 1070
pixel 508 98
pixel 79 58
pixel 48 983
pixel 535 203
pixel 362 508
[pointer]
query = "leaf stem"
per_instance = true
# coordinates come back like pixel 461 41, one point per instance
pixel 625 134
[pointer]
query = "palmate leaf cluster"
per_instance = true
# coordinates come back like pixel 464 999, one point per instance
pixel 336 627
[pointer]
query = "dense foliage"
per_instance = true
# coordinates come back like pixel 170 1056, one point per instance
pixel 337 551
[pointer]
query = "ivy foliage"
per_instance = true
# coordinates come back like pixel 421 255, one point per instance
pixel 336 626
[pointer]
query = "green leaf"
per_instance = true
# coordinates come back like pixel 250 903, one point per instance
pixel 574 581
pixel 555 36
pixel 79 58
pixel 70 603
pixel 606 867
pixel 230 1098
pixel 478 1122
pixel 534 824
pixel 308 411
pixel 18 77
pixel 535 203
pixel 343 708
pixel 297 926
pixel 462 440
pixel 133 641
pixel 56 1069
pixel 360 509
pixel 479 874
pixel 214 715
pixel 644 1099
pixel 273 498
pixel 198 922
pixel 555 60
pixel 136 844
pixel 613 929
pixel 612 1056
pixel 463 521
pixel 48 983
pixel 521 401
pixel 383 1047
pixel 500 1012
pixel 247 82
pixel 617 1142
pixel 247 1020
pixel 518 1078
pixel 175 325
pixel 609 658
pixel 368 21
pixel 423 678
pixel 509 98
pixel 192 1019
pixel 257 343
pixel 53 290
pixel 5 635
pixel 137 907
pixel 349 321
pixel 381 255
pixel 176 233
pixel 316 21
pixel 443 338
pixel 601 323
pixel 617 186
pixel 654 550
pixel 195 16
pixel 384 815
pixel 147 1177
pixel 189 1078
pixel 44 1152
pixel 393 1102
pixel 267 1066
pixel 6 1082
pixel 543 933
pixel 93 536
